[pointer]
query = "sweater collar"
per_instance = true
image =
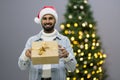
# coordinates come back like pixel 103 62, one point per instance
pixel 58 36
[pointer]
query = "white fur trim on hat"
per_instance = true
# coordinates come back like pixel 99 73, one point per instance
pixel 45 11
pixel 37 20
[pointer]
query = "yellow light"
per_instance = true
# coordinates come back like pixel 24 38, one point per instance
pixel 77 65
pixel 68 78
pixel 94 78
pixel 80 33
pixel 78 50
pixel 93 44
pixel 104 55
pixel 77 71
pixel 89 58
pixel 68 25
pixel 88 76
pixel 89 54
pixel 72 38
pixel 87 35
pixel 94 40
pixel 93 35
pixel 82 53
pixel 84 66
pixel 85 1
pixel 83 24
pixel 91 64
pixel 93 72
pixel 81 59
pixel 100 69
pixel 74 78
pixel 95 54
pixel 62 26
pixel 85 72
pixel 86 46
pixel 75 42
pixel 80 37
pixel 75 53
pixel 101 62
pixel 97 71
pixel 75 24
pixel 82 79
pixel 92 47
pixel 97 44
pixel 101 56
pixel 66 32
pixel 90 25
pixel 73 32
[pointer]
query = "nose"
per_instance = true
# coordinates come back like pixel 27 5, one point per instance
pixel 47 20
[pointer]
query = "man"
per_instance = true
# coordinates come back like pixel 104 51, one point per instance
pixel 48 17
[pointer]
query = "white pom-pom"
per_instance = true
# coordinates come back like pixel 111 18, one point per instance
pixel 36 19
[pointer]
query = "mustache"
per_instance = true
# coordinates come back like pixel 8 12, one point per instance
pixel 48 24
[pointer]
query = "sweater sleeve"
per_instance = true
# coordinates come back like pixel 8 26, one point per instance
pixel 24 61
pixel 70 61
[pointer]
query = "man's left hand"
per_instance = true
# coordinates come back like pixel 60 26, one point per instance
pixel 63 52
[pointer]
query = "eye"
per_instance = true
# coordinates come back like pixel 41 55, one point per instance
pixel 44 18
pixel 50 18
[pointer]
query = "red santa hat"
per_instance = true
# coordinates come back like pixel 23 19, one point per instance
pixel 46 10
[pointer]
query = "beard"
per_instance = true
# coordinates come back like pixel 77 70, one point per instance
pixel 48 27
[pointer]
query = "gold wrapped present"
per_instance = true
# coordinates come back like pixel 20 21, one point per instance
pixel 45 52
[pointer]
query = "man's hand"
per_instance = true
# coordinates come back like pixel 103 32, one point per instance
pixel 63 52
pixel 28 53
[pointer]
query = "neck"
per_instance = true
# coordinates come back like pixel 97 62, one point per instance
pixel 49 31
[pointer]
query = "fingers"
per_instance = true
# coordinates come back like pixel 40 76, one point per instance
pixel 28 53
pixel 63 52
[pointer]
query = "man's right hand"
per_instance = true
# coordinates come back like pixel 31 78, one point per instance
pixel 28 53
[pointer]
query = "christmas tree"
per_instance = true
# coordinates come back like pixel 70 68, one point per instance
pixel 80 28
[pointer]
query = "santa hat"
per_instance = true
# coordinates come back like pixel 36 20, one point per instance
pixel 46 10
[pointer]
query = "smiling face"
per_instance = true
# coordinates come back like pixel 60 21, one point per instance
pixel 48 22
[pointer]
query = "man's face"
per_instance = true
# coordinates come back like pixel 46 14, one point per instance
pixel 48 22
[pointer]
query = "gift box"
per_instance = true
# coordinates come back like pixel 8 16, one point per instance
pixel 44 52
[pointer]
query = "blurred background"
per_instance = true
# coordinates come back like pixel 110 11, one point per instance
pixel 17 25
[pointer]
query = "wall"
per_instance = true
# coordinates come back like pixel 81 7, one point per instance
pixel 17 25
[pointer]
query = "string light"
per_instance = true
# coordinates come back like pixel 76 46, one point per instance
pixel 70 16
pixel 88 76
pixel 79 17
pixel 66 31
pixel 75 7
pixel 74 78
pixel 90 25
pixel 72 38
pixel 85 72
pixel 82 53
pixel 62 26
pixel 68 25
pixel 83 24
pixel 81 7
pixel 81 59
pixel 91 64
pixel 75 53
pixel 87 35
pixel 68 78
pixel 77 71
pixel 75 24
pixel 93 35
pixel 104 55
pixel 82 79
pixel 85 1
pixel 84 66
pixel 79 51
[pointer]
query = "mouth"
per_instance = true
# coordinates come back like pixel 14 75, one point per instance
pixel 48 25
